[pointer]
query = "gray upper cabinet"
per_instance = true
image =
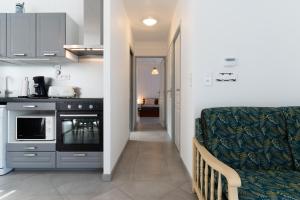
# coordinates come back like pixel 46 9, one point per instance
pixel 21 35
pixel 51 34
pixel 2 35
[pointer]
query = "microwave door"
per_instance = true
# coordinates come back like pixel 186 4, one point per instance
pixel 31 129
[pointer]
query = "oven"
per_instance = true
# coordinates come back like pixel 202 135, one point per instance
pixel 79 127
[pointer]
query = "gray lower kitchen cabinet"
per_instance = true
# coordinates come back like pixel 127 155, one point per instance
pixel 51 34
pixel 77 160
pixel 2 35
pixel 31 106
pixel 30 147
pixel 21 35
pixel 31 155
pixel 31 160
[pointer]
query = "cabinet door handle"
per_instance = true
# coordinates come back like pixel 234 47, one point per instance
pixel 49 54
pixel 79 155
pixel 30 106
pixel 30 155
pixel 79 115
pixel 19 54
pixel 30 148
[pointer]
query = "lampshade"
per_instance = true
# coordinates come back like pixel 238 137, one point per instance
pixel 140 100
pixel 155 71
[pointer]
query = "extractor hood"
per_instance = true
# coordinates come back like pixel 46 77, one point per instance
pixel 85 50
pixel 93 31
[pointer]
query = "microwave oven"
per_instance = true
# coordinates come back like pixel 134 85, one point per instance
pixel 35 128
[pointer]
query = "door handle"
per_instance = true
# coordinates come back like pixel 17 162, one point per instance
pixel 79 155
pixel 19 54
pixel 49 54
pixel 30 106
pixel 83 115
pixel 30 155
pixel 30 148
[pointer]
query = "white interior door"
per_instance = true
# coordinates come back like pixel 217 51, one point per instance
pixel 162 95
pixel 177 65
pixel 169 95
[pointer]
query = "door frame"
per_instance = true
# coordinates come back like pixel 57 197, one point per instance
pixel 133 101
pixel 173 93
pixel 132 77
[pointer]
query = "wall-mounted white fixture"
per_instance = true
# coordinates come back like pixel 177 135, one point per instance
pixel 57 70
pixel 226 77
pixel 230 62
pixel 150 21
pixel 155 71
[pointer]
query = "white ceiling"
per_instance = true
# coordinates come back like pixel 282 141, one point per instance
pixel 162 10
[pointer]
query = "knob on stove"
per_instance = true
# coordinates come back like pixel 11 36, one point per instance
pixel 79 106
pixel 91 107
pixel 69 107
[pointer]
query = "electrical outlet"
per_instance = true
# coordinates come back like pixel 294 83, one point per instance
pixel 64 77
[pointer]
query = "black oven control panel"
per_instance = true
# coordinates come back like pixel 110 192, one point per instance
pixel 80 106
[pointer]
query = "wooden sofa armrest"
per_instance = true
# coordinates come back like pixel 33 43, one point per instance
pixel 203 161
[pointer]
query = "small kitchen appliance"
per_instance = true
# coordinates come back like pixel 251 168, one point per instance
pixel 40 87
pixel 35 128
pixel 61 91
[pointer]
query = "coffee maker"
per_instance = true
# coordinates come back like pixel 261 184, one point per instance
pixel 40 87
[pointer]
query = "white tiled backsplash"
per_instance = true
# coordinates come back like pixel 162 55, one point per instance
pixel 86 76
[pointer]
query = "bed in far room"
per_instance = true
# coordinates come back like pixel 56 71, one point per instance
pixel 149 108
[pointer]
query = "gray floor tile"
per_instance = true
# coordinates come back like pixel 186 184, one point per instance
pixel 178 195
pixel 146 189
pixel 150 169
pixel 115 194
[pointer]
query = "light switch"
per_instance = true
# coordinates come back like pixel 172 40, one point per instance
pixel 208 80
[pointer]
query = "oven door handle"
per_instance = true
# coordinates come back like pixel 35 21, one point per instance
pixel 83 115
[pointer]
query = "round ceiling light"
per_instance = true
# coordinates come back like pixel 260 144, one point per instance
pixel 150 21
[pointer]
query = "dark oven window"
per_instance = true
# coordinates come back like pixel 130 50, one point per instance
pixel 31 128
pixel 81 131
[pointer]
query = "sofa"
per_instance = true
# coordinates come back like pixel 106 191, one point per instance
pixel 254 150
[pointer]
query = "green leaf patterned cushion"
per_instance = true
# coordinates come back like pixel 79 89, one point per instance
pixel 199 132
pixel 247 137
pixel 269 185
pixel 292 115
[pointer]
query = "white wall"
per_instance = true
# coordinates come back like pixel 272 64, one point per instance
pixel 150 49
pixel 263 36
pixel 265 44
pixel 117 39
pixel 84 75
pixel 183 18
pixel 148 85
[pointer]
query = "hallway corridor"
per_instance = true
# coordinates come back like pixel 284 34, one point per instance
pixel 152 169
